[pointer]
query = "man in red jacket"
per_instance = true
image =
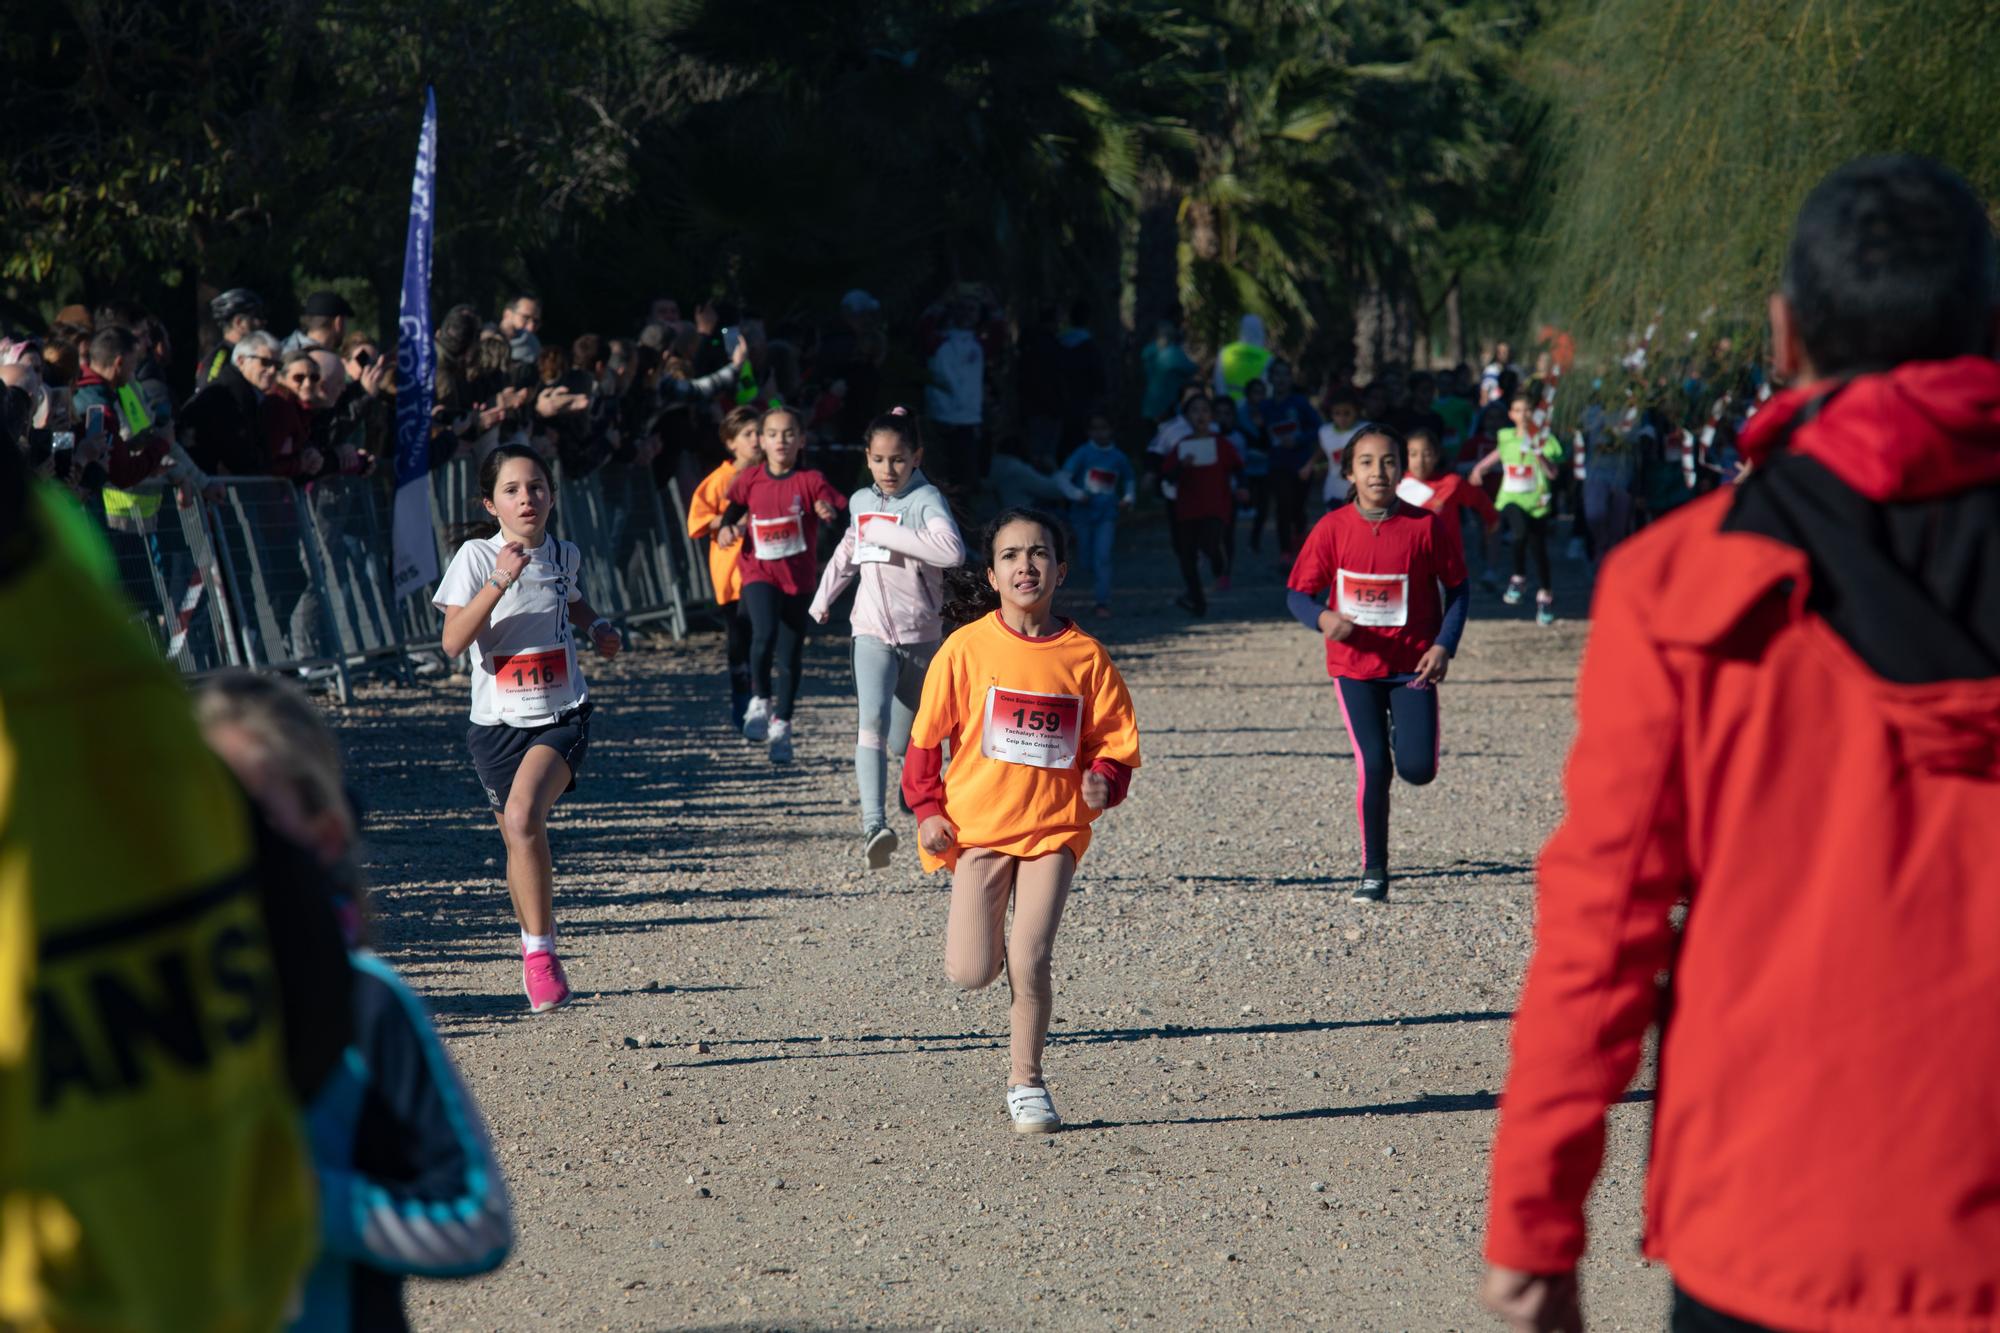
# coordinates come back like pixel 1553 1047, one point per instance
pixel 1789 720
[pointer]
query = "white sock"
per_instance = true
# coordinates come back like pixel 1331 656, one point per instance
pixel 537 943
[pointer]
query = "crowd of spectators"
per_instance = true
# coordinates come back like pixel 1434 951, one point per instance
pixel 1005 395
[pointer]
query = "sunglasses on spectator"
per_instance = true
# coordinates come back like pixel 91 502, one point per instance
pixel 262 360
pixel 302 379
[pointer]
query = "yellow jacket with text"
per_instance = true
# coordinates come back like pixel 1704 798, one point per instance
pixel 152 1169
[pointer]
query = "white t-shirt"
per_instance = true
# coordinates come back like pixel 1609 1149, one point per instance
pixel 957 392
pixel 1331 442
pixel 528 635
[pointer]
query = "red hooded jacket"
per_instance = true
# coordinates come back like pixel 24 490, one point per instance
pixel 1826 1135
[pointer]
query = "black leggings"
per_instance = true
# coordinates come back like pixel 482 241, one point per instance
pixel 1260 508
pixel 777 626
pixel 1385 716
pixel 739 648
pixel 1195 537
pixel 1531 538
pixel 1691 1316
pixel 1289 499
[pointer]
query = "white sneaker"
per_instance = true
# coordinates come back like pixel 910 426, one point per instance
pixel 781 741
pixel 757 720
pixel 1032 1110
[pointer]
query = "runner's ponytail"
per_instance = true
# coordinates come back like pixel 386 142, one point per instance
pixel 968 595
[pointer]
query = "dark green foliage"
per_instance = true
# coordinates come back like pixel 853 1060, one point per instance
pixel 1688 131
pixel 1281 156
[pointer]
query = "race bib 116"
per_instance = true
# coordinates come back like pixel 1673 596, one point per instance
pixel 534 683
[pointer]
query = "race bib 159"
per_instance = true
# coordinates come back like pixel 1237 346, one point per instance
pixel 1038 730
pixel 1381 600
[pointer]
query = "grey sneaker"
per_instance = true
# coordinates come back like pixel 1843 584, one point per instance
pixel 757 720
pixel 781 741
pixel 1372 889
pixel 1032 1110
pixel 880 844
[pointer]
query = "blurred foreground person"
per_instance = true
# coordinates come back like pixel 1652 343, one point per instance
pixel 163 1012
pixel 1790 721
pixel 407 1180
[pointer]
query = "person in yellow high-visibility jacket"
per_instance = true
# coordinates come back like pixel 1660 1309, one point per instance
pixel 153 1174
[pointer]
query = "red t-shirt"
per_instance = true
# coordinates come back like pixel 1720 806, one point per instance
pixel 781 531
pixel 1384 577
pixel 1446 494
pixel 1201 466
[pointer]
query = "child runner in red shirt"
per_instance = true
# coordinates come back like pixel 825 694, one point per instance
pixel 1202 464
pixel 1393 621
pixel 776 508
pixel 1429 484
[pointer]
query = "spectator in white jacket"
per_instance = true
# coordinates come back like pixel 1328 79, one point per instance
pixel 955 400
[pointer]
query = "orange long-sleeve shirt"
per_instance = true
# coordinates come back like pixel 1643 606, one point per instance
pixel 1026 719
pixel 711 497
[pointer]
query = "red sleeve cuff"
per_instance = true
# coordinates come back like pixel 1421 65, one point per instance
pixel 923 780
pixel 1118 775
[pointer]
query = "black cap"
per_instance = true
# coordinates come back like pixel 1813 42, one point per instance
pixel 327 304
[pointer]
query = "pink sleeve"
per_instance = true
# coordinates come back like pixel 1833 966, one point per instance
pixel 936 543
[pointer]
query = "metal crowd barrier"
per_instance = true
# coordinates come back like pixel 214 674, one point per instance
pixel 267 574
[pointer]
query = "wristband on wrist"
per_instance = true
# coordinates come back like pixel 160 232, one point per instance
pixel 599 621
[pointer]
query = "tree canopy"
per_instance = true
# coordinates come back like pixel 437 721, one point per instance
pixel 1288 157
pixel 1687 132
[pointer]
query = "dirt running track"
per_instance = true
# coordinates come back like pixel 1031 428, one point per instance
pixel 768 1109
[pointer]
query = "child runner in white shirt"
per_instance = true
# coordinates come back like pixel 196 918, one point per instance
pixel 902 540
pixel 511 599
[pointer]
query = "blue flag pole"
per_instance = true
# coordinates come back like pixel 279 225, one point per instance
pixel 415 544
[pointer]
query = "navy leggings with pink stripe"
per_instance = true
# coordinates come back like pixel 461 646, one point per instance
pixel 1385 717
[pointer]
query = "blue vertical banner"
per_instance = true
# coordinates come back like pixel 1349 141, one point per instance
pixel 415 544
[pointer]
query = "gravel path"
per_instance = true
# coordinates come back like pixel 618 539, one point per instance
pixel 768 1109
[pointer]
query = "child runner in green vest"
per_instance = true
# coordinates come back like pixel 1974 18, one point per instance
pixel 1528 463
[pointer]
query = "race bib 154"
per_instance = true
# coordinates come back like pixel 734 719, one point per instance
pixel 1038 730
pixel 1381 600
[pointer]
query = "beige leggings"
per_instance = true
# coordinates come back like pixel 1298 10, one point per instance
pixel 974 951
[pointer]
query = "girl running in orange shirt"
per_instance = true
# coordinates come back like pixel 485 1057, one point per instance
pixel 1043 740
pixel 705 510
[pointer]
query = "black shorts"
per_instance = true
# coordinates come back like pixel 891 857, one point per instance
pixel 497 750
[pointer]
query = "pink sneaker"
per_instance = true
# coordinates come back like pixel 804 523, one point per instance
pixel 542 977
